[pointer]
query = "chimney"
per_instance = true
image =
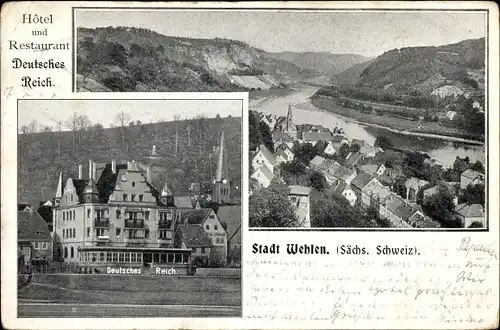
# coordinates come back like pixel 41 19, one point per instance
pixel 90 169
pixel 80 172
pixel 94 171
pixel 113 166
pixel 148 173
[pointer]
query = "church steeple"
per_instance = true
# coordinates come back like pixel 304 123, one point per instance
pixel 57 200
pixel 221 191
pixel 289 126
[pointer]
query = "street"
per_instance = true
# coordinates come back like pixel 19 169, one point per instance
pixel 49 309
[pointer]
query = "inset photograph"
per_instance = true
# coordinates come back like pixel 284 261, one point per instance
pixel 129 208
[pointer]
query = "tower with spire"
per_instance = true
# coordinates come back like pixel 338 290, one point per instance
pixel 57 199
pixel 221 190
pixel 289 126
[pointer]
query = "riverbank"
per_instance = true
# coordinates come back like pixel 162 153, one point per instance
pixel 397 125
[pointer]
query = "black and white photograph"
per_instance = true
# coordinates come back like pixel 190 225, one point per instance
pixel 129 208
pixel 358 119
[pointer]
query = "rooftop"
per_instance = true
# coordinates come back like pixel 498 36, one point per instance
pixel 299 190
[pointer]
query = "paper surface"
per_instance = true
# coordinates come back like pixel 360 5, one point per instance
pixel 443 280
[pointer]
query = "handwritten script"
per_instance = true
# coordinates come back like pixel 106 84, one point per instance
pixel 446 289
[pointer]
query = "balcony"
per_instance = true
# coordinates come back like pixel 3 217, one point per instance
pixel 101 223
pixel 134 223
pixel 165 224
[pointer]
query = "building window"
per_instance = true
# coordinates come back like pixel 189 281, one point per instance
pixel 118 232
pixel 202 250
pixel 146 233
pixel 72 252
pixel 216 227
pixel 64 215
pixel 140 198
pixel 64 233
pixel 194 249
pixel 125 197
pixel 133 184
pixel 132 197
pixel 88 213
pixel 74 232
pixel 207 227
pixel 118 214
pixel 74 214
pixel 99 232
pixel 146 214
pixel 65 252
pixel 88 231
pixel 71 198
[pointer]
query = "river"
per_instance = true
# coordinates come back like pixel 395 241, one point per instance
pixel 306 113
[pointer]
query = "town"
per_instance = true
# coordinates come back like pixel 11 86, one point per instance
pixel 319 168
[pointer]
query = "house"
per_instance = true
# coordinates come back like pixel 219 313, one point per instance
pixel 325 165
pixel 325 147
pixel 263 176
pixel 352 159
pixel 470 177
pixel 313 137
pixel 413 187
pixel 33 237
pixel 286 152
pixel 373 169
pixel 370 194
pixel 269 120
pixel 344 190
pixel 338 173
pixel 394 209
pixel 442 186
pixel 359 183
pixel 368 152
pixel 231 216
pixel 418 220
pixel 316 161
pixel 203 233
pixel 282 138
pixel 469 213
pixel 299 196
pixel 263 157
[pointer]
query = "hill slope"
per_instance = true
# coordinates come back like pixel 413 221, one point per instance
pixel 351 76
pixel 426 68
pixel 39 161
pixel 323 62
pixel 131 59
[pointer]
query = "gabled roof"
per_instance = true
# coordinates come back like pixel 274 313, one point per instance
pixel 194 216
pixel 313 136
pixel 370 168
pixel 267 154
pixel 231 215
pixel 470 210
pixel 316 161
pixel 31 226
pixel 361 180
pixel 283 147
pixel 393 202
pixel 280 153
pixel 321 146
pixel 405 211
pixel 299 190
pixel 338 138
pixel 265 171
pixel 471 174
pixel 183 201
pixel 352 159
pixel 326 164
pixel 340 172
pixel 340 188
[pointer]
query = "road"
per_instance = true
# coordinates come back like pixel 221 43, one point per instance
pixel 51 309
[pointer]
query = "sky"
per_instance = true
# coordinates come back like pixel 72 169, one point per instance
pixel 364 33
pixel 47 112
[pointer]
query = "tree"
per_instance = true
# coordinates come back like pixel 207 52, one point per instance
pixel 343 151
pixel 121 119
pixel 317 181
pixel 271 207
pixel 254 133
pixel 304 152
pixel 476 224
pixel 355 147
pixel 82 123
pixel 440 207
pixel 267 138
pixel 383 142
pixel 473 194
pixel 478 166
pixel 47 128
